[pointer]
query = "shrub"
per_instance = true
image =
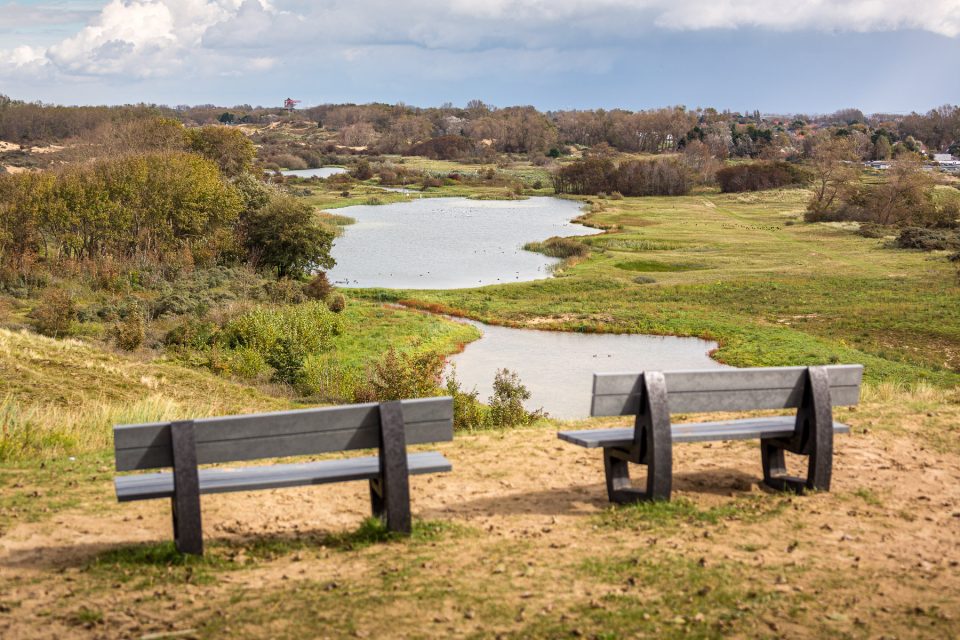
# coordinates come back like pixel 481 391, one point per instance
pixel 506 403
pixel 559 248
pixel 757 176
pixel 927 239
pixel 873 230
pixel 284 291
pixel 400 375
pixel 337 303
pixel 443 148
pixel 285 336
pixel 319 287
pixel 52 317
pixel 362 171
pixel 191 334
pixel 131 331
pixel 243 362
pixel 469 414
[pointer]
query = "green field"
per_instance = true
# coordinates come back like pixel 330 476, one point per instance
pixel 746 271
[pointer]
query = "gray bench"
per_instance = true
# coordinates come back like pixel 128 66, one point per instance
pixel 182 446
pixel 652 396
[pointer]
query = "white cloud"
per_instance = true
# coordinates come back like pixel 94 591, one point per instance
pixel 150 38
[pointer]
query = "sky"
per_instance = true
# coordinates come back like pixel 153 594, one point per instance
pixel 778 56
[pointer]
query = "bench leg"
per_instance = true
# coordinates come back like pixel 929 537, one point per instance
pixel 394 475
pixel 775 469
pixel 377 505
pixel 617 470
pixel 814 439
pixel 187 524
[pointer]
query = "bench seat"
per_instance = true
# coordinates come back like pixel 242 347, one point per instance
pixel 148 486
pixel 744 429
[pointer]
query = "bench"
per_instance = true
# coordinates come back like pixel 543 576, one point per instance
pixel 183 445
pixel 653 396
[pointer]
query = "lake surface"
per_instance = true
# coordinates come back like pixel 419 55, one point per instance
pixel 450 243
pixel 319 172
pixel 557 367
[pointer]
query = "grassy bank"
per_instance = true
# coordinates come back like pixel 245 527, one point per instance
pixel 743 270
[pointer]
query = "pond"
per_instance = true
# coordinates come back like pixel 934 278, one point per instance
pixel 450 243
pixel 557 367
pixel 319 172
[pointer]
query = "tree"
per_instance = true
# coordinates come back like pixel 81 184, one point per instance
pixel 228 147
pixel 882 149
pixel 227 118
pixel 284 235
pixel 833 170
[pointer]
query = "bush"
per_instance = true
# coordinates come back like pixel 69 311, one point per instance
pixel 927 239
pixel 131 331
pixel 337 303
pixel 319 287
pixel 506 403
pixel 191 334
pixel 757 176
pixel 504 410
pixel 52 317
pixel 443 148
pixel 243 362
pixel 400 375
pixel 469 414
pixel 559 248
pixel 285 336
pixel 873 230
pixel 362 171
pixel 284 291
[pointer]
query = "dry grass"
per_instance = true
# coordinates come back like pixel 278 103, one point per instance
pixel 60 397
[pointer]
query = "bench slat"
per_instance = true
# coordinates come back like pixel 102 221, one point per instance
pixel 282 433
pixel 724 389
pixel 746 429
pixel 148 486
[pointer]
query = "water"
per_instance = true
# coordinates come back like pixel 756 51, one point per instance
pixel 450 243
pixel 557 367
pixel 319 172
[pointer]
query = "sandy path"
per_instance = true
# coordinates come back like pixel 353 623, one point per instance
pixel 880 553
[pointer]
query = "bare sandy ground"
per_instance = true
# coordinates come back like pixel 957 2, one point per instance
pixel 879 556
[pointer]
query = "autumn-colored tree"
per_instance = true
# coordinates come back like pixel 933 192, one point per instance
pixel 227 146
pixel 833 171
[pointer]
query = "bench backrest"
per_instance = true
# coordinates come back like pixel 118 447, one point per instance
pixel 282 433
pixel 618 394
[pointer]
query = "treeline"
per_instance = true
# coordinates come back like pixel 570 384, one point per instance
pixel 28 123
pixel 383 128
pixel 758 176
pixel 650 177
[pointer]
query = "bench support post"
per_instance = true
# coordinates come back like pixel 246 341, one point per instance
pixel 390 493
pixel 187 526
pixel 813 437
pixel 652 446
